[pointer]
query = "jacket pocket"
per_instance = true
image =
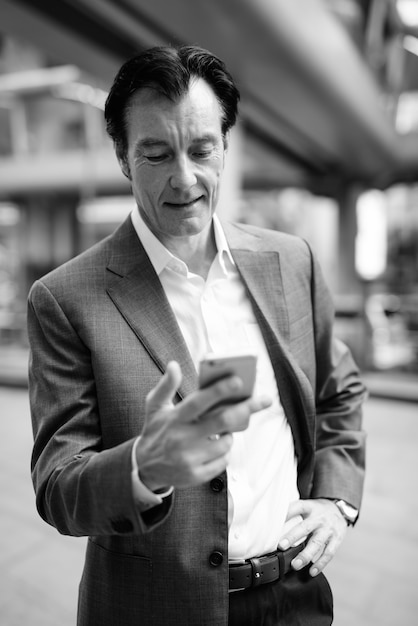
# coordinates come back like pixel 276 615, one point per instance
pixel 115 588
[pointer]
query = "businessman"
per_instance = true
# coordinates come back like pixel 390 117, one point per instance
pixel 201 508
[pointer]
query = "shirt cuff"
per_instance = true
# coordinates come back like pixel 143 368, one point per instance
pixel 144 497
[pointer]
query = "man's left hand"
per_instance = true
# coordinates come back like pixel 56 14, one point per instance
pixel 325 528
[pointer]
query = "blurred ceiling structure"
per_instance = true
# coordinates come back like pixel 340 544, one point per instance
pixel 320 79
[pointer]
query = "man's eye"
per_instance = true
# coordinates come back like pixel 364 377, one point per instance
pixel 155 158
pixel 202 154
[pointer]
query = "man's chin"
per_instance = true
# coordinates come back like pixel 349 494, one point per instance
pixel 192 224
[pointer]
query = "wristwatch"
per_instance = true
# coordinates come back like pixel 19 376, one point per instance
pixel 349 513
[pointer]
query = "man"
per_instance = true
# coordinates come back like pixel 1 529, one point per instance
pixel 184 491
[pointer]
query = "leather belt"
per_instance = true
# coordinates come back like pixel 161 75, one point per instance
pixel 264 569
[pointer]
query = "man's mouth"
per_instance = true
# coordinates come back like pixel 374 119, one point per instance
pixel 183 204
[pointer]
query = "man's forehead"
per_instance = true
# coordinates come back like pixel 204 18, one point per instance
pixel 199 95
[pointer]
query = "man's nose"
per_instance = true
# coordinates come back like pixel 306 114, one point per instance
pixel 183 175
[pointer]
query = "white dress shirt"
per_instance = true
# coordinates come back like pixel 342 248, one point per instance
pixel 216 316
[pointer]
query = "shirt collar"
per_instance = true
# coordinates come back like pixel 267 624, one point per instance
pixel 161 258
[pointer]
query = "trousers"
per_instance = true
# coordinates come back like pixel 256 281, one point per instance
pixel 297 600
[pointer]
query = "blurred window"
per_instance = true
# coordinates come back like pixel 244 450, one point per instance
pixel 54 125
pixel 371 240
pixel 392 343
pixel 5 131
pixel 12 320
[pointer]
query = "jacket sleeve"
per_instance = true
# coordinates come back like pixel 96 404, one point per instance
pixel 81 488
pixel 339 396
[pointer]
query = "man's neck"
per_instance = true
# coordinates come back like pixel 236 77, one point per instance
pixel 197 251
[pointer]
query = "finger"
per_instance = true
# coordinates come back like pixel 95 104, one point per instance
pixel 297 533
pixel 213 400
pixel 162 394
pixel 218 445
pixel 327 555
pixel 313 551
pixel 236 417
pixel 195 405
pixel 259 403
pixel 230 417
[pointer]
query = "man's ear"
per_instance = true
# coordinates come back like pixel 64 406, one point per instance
pixel 123 164
pixel 226 141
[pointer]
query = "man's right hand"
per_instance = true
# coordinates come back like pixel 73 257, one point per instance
pixel 177 445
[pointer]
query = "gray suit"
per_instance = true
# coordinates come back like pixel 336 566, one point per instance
pixel 101 333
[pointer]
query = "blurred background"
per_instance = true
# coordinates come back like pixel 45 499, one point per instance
pixel 326 148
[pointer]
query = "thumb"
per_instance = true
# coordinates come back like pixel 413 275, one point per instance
pixel 162 394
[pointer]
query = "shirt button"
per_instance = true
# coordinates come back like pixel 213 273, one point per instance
pixel 217 484
pixel 216 558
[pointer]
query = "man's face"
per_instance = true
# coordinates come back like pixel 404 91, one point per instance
pixel 175 157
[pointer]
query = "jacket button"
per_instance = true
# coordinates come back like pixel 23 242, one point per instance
pixel 216 558
pixel 217 484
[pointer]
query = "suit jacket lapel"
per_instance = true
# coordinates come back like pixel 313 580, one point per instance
pixel 135 289
pixel 261 273
pixel 260 270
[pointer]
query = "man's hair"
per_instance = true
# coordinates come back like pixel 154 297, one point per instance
pixel 168 69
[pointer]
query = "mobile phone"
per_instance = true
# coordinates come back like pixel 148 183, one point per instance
pixel 214 367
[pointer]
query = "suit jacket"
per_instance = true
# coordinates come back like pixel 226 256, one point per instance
pixel 101 333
